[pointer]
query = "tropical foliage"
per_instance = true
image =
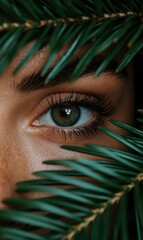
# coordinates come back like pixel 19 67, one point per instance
pixel 104 198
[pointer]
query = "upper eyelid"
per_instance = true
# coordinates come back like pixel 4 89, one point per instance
pixel 86 100
pixel 52 100
pixel 104 104
pixel 71 97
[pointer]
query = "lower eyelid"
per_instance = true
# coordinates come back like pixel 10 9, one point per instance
pixel 70 135
pixel 86 131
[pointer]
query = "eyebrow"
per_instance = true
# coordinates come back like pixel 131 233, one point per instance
pixel 35 81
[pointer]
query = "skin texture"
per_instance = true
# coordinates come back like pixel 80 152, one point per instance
pixel 25 144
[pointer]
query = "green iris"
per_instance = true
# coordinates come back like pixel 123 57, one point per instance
pixel 65 116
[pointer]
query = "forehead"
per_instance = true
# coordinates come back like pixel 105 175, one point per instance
pixel 35 64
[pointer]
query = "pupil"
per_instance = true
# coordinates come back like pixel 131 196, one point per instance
pixel 66 112
pixel 65 116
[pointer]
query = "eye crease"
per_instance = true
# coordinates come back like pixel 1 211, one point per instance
pixel 74 115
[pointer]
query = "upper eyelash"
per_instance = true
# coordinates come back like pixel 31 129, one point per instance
pixel 103 104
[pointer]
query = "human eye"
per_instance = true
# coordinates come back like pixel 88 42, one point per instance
pixel 73 115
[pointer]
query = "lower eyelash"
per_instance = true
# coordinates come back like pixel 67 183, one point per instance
pixel 81 132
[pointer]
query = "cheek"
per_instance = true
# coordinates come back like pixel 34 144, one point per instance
pixel 38 150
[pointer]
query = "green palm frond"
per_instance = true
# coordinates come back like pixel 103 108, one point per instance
pixel 84 209
pixel 99 23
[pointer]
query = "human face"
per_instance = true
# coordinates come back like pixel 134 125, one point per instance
pixel 36 119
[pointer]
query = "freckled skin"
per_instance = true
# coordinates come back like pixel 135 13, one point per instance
pixel 23 148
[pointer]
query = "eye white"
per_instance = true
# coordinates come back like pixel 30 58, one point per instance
pixel 85 116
